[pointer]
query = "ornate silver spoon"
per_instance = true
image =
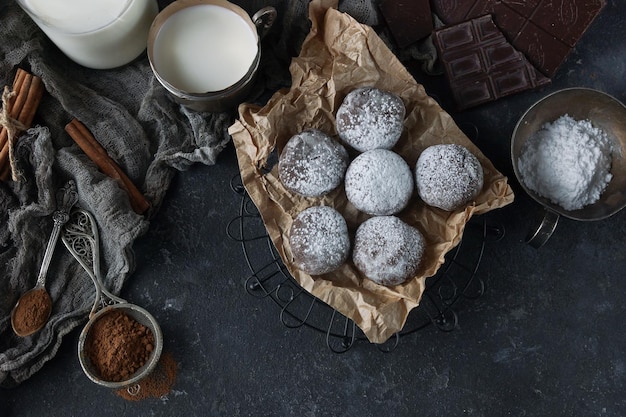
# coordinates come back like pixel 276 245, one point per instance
pixel 33 308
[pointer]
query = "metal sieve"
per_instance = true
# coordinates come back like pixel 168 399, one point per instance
pixel 604 112
pixel 80 236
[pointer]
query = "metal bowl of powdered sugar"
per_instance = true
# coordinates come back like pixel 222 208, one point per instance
pixel 568 153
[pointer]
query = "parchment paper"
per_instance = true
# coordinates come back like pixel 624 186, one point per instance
pixel 338 55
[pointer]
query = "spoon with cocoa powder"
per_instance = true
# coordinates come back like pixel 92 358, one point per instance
pixel 33 308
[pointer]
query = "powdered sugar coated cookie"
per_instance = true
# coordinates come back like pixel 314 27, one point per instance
pixel 370 118
pixel 448 176
pixel 387 250
pixel 319 240
pixel 379 182
pixel 312 163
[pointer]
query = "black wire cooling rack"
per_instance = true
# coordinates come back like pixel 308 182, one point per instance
pixel 456 281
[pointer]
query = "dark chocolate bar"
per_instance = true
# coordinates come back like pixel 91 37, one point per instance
pixel 408 20
pixel 544 30
pixel 480 63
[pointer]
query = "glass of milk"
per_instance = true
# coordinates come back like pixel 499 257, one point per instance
pixel 206 53
pixel 97 34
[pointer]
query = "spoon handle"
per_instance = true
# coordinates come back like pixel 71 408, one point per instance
pixel 66 198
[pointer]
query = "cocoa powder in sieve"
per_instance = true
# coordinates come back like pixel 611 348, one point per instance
pixel 117 346
pixel 32 311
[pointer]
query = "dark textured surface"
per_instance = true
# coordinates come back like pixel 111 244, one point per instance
pixel 546 339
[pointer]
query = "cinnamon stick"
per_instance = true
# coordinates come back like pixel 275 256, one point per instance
pixel 28 91
pixel 94 150
pixel 35 93
pixel 4 159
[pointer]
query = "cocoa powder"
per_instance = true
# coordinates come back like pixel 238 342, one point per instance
pixel 32 311
pixel 117 346
pixel 156 385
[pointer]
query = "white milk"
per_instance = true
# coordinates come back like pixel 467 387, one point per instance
pixel 204 48
pixel 95 33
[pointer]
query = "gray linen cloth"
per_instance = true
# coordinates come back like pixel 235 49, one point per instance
pixel 147 134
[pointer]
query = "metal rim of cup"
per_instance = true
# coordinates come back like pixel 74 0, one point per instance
pixel 143 317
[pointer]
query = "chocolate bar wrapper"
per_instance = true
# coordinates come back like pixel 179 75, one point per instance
pixel 338 55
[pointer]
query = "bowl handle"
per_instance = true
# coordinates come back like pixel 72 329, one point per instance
pixel 540 234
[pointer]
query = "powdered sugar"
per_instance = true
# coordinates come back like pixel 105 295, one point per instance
pixel 567 162
pixel 379 182
pixel 369 118
pixel 319 240
pixel 387 250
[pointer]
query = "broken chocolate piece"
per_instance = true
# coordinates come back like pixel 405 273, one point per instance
pixel 544 30
pixel 481 65
pixel 408 20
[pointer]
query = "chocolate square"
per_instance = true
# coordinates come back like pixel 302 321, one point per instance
pixel 525 8
pixel 452 11
pixel 566 20
pixel 542 49
pixel 508 20
pixel 480 63
pixel 408 20
pixel 482 7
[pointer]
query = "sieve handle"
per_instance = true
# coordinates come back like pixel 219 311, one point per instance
pixel 540 233
pixel 264 19
pixel 80 237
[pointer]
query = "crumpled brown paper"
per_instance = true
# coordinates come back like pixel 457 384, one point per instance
pixel 339 55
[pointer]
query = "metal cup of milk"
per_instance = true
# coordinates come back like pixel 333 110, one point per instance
pixel 206 53
pixel 98 34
